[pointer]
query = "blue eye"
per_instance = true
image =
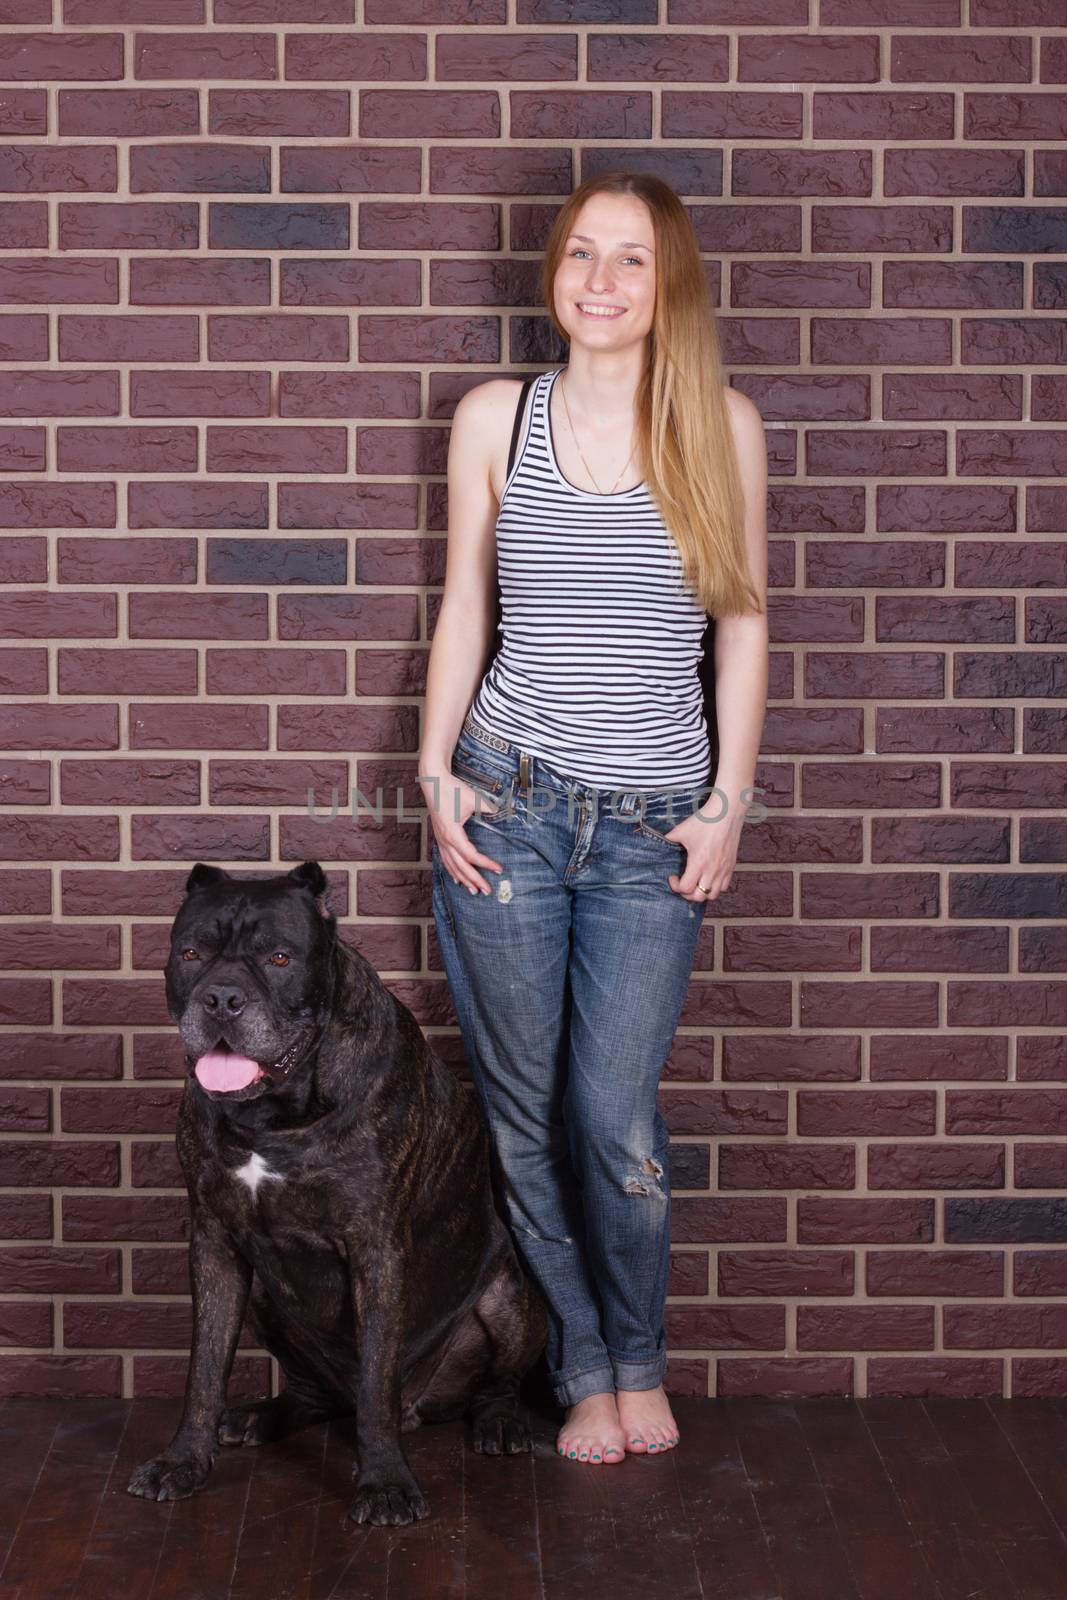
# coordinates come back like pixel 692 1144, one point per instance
pixel 579 251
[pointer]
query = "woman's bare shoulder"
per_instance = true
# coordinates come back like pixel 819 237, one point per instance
pixel 481 428
pixel 740 408
pixel 746 426
pixel 488 401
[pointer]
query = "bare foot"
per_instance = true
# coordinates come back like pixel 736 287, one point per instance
pixel 646 1416
pixel 592 1432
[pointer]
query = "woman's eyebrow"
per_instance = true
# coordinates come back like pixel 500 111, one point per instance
pixel 629 244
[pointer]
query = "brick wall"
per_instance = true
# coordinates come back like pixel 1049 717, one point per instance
pixel 250 260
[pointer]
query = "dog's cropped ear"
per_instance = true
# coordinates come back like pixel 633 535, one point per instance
pixel 202 875
pixel 311 876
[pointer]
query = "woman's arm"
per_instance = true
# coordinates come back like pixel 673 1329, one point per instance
pixel 481 431
pixel 463 634
pixel 741 643
pixel 740 654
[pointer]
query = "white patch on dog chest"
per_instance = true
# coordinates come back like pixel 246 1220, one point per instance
pixel 254 1171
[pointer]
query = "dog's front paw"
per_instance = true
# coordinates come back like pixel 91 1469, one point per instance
pixel 169 1477
pixel 388 1497
pixel 501 1433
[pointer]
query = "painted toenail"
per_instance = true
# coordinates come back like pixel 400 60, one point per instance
pixel 596 1458
pixel 637 1441
pixel 572 1454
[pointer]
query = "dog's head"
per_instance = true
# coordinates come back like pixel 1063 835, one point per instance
pixel 250 976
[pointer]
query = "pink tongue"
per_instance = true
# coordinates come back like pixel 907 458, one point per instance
pixel 224 1069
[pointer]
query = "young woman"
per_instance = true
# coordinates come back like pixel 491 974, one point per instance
pixel 576 843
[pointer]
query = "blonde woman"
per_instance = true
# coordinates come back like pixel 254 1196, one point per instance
pixel 568 760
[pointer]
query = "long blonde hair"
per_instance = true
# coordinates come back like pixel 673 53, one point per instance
pixel 685 442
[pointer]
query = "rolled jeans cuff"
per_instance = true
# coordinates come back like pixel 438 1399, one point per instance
pixel 639 1374
pixel 597 1380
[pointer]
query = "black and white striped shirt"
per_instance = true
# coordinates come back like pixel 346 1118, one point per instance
pixel 596 669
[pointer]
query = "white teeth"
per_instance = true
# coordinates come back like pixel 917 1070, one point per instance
pixel 600 311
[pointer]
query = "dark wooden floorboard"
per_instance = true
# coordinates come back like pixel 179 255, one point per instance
pixel 651 1537
pixel 932 1493
pixel 1017 1525
pixel 875 1529
pixel 803 1536
pixel 611 1527
pixel 274 1552
pixel 428 1557
pixel 199 1536
pixel 763 1500
pixel 349 1560
pixel 1037 1431
pixel 730 1546
pixel 27 1428
pixel 500 1521
pixel 49 1544
pixel 576 1522
pixel 123 1547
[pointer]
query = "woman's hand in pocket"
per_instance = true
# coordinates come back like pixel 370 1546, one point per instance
pixel 451 804
pixel 711 845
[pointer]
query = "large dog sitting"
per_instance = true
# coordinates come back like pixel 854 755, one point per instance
pixel 341 1192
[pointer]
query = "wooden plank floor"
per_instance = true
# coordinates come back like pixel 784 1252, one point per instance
pixel 762 1500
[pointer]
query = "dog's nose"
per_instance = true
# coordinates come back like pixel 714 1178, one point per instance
pixel 222 999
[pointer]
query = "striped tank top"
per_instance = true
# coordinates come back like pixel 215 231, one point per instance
pixel 596 667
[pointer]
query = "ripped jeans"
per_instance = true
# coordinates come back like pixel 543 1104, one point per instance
pixel 568 983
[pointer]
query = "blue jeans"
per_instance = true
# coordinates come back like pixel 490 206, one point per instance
pixel 568 982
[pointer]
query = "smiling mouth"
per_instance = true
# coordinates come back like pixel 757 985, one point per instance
pixel 603 312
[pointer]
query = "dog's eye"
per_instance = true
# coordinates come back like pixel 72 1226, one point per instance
pixel 280 959
pixel 190 955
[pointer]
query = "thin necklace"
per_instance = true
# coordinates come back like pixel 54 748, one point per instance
pixel 578 447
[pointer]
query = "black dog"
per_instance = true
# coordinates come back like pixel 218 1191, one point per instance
pixel 341 1192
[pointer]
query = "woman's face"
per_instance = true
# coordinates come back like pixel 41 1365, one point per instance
pixel 608 262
